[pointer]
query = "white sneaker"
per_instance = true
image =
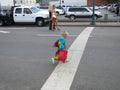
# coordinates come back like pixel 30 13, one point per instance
pixel 53 61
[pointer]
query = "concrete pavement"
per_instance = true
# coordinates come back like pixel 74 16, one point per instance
pixel 98 24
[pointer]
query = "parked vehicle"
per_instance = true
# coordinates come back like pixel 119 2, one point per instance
pixel 58 11
pixel 102 7
pixel 3 12
pixel 59 7
pixel 115 7
pixel 96 7
pixel 109 7
pixel 112 7
pixel 64 6
pixel 25 14
pixel 81 12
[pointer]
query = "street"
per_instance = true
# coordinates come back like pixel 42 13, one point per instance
pixel 25 54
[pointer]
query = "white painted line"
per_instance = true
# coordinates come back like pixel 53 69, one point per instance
pixel 54 35
pixel 5 32
pixel 63 75
pixel 12 28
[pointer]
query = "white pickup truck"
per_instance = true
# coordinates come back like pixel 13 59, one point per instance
pixel 26 14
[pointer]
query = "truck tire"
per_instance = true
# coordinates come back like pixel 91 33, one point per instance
pixel 1 23
pixel 40 22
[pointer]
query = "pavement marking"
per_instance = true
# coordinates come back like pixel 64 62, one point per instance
pixel 54 35
pixel 5 32
pixel 63 75
pixel 12 28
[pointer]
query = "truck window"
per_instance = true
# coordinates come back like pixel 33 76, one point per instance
pixel 35 9
pixel 18 11
pixel 27 11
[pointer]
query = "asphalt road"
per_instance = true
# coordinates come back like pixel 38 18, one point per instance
pixel 99 67
pixel 25 54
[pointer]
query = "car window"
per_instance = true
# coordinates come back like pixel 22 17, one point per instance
pixel 77 9
pixel 83 10
pixel 73 9
pixel 27 11
pixel 43 7
pixel 18 10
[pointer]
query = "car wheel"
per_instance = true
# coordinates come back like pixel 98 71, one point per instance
pixel 72 17
pixel 95 17
pixel 1 23
pixel 40 22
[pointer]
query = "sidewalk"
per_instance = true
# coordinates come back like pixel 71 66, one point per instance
pixel 98 24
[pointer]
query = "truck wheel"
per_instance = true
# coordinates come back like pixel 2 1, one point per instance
pixel 40 22
pixel 1 23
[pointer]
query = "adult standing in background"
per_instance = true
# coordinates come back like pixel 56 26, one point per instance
pixel 50 16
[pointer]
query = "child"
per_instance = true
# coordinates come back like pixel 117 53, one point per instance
pixel 61 45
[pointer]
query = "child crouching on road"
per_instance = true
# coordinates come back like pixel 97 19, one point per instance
pixel 61 45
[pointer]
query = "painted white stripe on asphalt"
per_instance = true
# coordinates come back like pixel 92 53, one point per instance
pixel 11 28
pixel 53 35
pixel 5 32
pixel 63 75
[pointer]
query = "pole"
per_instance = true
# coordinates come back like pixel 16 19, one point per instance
pixel 14 2
pixel 0 8
pixel 41 3
pixel 93 15
pixel 21 2
pixel 60 3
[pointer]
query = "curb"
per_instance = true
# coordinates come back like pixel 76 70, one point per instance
pixel 98 24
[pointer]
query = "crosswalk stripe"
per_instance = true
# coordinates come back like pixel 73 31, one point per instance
pixel 63 75
pixel 5 32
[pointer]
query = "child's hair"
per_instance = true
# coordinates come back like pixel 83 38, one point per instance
pixel 64 33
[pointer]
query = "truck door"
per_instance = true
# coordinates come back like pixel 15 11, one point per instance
pixel 23 15
pixel 17 15
pixel 28 16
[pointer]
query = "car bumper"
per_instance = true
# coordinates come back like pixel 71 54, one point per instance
pixel 61 13
pixel 99 16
